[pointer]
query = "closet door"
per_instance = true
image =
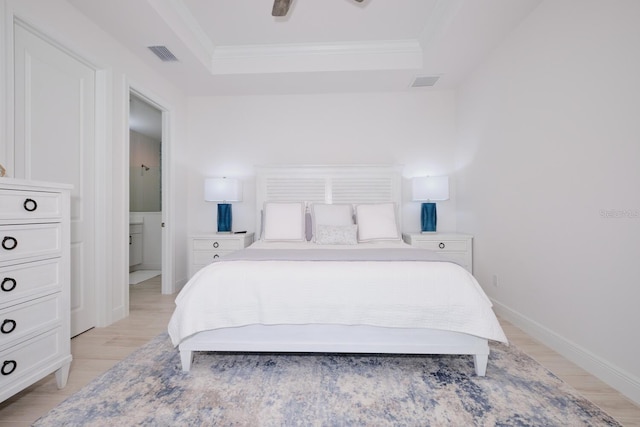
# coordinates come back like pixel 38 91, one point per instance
pixel 55 141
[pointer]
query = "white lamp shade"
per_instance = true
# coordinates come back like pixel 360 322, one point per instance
pixel 222 190
pixel 430 188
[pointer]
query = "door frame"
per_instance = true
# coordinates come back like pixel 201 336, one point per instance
pixel 6 88
pixel 102 314
pixel 167 267
pixel 111 185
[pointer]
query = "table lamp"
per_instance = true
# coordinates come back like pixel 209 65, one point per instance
pixel 223 190
pixel 428 189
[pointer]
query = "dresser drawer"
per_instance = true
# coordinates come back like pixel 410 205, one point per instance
pixel 217 245
pixel 34 283
pixel 28 357
pixel 30 241
pixel 22 281
pixel 27 205
pixel 441 245
pixel 22 320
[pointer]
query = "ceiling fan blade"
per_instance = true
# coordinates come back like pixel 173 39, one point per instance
pixel 280 7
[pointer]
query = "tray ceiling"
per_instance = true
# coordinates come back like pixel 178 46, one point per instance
pixel 236 47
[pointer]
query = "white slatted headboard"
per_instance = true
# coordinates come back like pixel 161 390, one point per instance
pixel 328 184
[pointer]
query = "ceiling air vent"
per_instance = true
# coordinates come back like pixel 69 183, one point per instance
pixel 424 81
pixel 163 53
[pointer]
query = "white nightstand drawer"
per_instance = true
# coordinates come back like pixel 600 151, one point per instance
pixel 217 244
pixel 27 205
pixel 441 245
pixel 22 281
pixel 454 247
pixel 27 318
pixel 206 248
pixel 207 257
pixel 30 241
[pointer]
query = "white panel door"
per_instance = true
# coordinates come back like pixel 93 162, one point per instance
pixel 55 141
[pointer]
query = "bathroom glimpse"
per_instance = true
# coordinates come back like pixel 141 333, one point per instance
pixel 144 174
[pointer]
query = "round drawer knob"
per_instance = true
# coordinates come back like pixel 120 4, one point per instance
pixel 8 326
pixel 30 205
pixel 8 284
pixel 216 244
pixel 8 366
pixel 216 256
pixel 441 245
pixel 9 243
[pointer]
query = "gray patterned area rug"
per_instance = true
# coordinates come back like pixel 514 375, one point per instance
pixel 149 388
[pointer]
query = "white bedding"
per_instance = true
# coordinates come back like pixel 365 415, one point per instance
pixel 406 294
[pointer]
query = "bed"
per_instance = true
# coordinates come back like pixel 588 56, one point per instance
pixel 330 273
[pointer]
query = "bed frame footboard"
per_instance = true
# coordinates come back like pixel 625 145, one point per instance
pixel 336 339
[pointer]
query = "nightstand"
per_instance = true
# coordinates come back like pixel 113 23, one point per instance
pixel 204 248
pixel 453 246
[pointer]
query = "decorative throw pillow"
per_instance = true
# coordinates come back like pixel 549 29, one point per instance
pixel 377 222
pixel 284 221
pixel 328 214
pixel 337 234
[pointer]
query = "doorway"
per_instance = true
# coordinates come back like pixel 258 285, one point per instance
pixel 145 190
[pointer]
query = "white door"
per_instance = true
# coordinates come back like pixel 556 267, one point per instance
pixel 55 141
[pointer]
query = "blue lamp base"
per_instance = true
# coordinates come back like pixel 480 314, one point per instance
pixel 428 217
pixel 224 218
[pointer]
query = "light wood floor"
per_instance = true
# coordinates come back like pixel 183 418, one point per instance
pixel 99 349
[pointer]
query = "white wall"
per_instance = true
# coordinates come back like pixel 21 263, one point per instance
pixel 117 69
pixel 228 136
pixel 549 146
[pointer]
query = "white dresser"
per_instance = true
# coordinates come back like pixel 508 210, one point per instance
pixel 204 248
pixel 456 247
pixel 34 284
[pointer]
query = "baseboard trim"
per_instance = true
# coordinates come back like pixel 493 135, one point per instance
pixel 615 377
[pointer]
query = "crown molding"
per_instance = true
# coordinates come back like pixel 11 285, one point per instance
pixel 312 57
pixel 286 58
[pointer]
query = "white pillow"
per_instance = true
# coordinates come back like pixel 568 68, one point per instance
pixel 284 221
pixel 326 214
pixel 377 222
pixel 337 234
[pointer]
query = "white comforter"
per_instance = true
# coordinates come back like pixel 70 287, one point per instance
pixel 402 294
